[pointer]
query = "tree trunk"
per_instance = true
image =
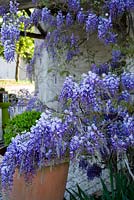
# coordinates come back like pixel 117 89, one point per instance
pixel 17 68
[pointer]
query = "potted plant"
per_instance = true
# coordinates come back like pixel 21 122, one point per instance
pixel 96 126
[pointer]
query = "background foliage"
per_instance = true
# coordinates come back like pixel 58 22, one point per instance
pixel 20 123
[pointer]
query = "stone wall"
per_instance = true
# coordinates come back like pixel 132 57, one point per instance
pixel 50 84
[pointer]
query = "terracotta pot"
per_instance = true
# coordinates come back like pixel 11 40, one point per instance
pixel 48 184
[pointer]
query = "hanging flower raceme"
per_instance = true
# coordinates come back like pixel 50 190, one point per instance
pixel 46 15
pixel 77 14
pixel 10 32
pixel 118 7
pixel 60 20
pixel 36 16
pixel 91 23
pixel 105 30
pixel 69 20
pixel 2 10
pixel 74 5
pixel 13 7
pixel 81 17
pixel 127 80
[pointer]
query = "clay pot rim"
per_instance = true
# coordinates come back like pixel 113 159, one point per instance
pixel 56 161
pixel 53 163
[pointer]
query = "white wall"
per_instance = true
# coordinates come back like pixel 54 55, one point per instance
pixel 7 70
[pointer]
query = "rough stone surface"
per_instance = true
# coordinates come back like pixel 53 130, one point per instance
pixel 78 176
pixel 49 84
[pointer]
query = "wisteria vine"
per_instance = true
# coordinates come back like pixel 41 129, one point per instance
pixel 97 118
pixel 60 24
pixel 97 121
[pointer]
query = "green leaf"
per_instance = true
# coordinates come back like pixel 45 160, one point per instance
pixel 112 182
pixel 50 70
pixel 106 193
pixel 69 101
pixel 72 196
pixel 64 73
pixel 82 194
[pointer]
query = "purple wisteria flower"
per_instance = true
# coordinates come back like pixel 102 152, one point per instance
pixel 125 96
pixel 96 117
pixel 60 20
pixel 104 30
pixel 2 10
pixel 74 5
pixel 36 16
pixel 34 103
pixel 9 51
pixel 94 171
pixel 91 22
pixel 100 69
pixel 42 144
pixel 118 7
pixel 127 80
pixel 76 14
pixel 13 7
pixel 46 15
pixel 69 19
pixel 116 55
pixel 10 32
pixel 111 84
pixel 69 89
pixel 81 17
pixel 90 126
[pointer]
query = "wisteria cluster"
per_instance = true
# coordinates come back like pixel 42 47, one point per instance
pixel 59 25
pixel 97 122
pixel 10 32
pixel 97 119
pixel 25 101
pixel 47 141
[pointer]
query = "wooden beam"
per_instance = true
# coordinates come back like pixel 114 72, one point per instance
pixel 26 4
pixel 34 35
pixel 23 4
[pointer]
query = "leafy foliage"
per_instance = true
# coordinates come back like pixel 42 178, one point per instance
pixel 25 48
pixel 20 123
